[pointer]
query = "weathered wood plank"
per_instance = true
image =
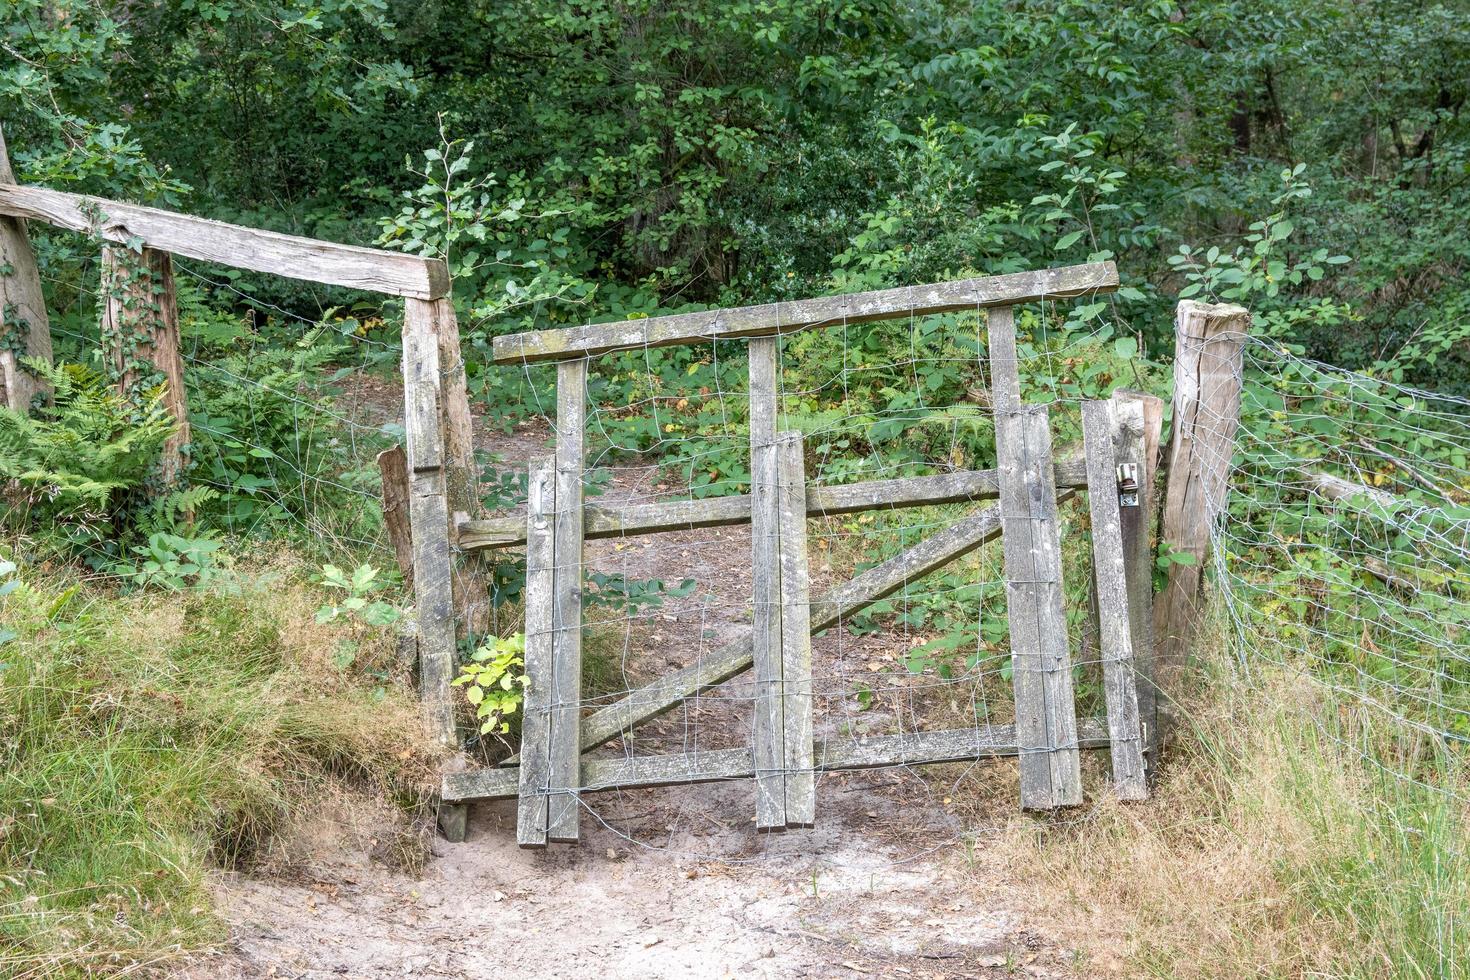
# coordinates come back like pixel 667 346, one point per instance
pixel 1208 363
pixel 534 785
pixel 1099 426
pixel 429 514
pixel 139 329
pixel 1040 660
pixel 22 306
pixel 750 321
pixel 437 319
pixel 768 725
pixel 566 696
pixel 393 470
pixel 394 273
pixel 796 635
pixel 1141 449
pixel 714 765
pixel 628 520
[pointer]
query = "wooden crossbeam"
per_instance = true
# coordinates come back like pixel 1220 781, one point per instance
pixel 772 318
pixel 395 273
pixel 627 520
pixel 1041 669
pixel 1101 422
pixel 879 582
pixel 713 765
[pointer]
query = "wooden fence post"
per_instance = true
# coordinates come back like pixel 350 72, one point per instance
pixel 24 328
pixel 140 331
pixel 1208 364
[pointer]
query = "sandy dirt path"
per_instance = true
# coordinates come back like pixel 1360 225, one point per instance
pixel 669 882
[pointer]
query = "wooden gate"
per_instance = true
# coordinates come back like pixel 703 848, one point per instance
pixel 1120 441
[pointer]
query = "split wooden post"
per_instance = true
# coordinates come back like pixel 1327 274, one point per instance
pixel 796 635
pixel 1041 668
pixel 1141 450
pixel 140 331
pixel 428 507
pixel 1109 491
pixel 1208 366
pixel 393 468
pixel 768 738
pixel 566 586
pixel 540 631
pixel 441 479
pixel 24 328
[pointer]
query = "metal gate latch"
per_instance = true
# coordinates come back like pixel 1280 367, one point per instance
pixel 1128 484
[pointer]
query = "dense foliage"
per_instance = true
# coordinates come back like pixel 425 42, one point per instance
pixel 628 156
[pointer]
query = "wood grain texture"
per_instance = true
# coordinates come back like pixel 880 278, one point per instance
pixel 1100 423
pixel 1041 671
pixel 1208 365
pixel 461 481
pixel 566 695
pixel 140 331
pixel 751 321
pixel 534 784
pixel 1141 448
pixel 796 635
pixel 393 472
pixel 768 724
pixel 429 517
pixel 373 270
pixel 714 765
pixel 628 520
pixel 22 306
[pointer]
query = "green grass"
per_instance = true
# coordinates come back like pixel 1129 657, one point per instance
pixel 1285 839
pixel 150 737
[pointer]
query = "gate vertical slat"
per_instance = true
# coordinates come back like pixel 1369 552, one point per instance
pixel 1100 421
pixel 769 723
pixel 796 639
pixel 1046 723
pixel 566 694
pixel 535 779
pixel 1142 450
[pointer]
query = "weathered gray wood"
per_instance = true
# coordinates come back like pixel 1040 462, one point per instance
pixel 628 520
pixel 1337 489
pixel 393 469
pixel 436 317
pixel 454 821
pixel 768 725
pixel 1041 670
pixel 23 321
pixel 713 765
pixel 1115 632
pixel 566 697
pixel 1141 449
pixel 394 273
pixel 1208 365
pixel 750 321
pixel 796 634
pixel 534 785
pixel 139 329
pixel 429 515
pixel 878 582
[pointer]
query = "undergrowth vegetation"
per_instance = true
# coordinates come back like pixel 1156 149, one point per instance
pixel 147 738
pixel 1283 840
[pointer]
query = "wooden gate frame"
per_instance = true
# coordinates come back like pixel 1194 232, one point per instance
pixel 1120 436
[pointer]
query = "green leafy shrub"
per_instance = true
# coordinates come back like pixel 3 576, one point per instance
pixel 494 682
pixel 79 469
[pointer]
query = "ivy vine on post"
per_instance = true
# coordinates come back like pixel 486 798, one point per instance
pixel 140 337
